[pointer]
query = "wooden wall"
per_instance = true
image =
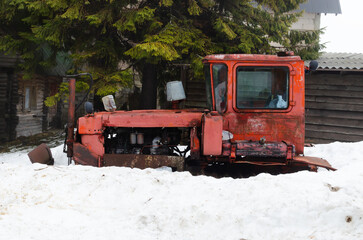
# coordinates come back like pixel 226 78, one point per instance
pixel 195 94
pixel 8 100
pixel 38 117
pixel 30 120
pixel 334 107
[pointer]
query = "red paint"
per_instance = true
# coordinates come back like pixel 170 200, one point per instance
pixel 212 135
pixel 95 123
pixel 94 143
pixel 194 144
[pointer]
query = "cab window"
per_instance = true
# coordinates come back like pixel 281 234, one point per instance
pixel 208 87
pixel 220 86
pixel 262 87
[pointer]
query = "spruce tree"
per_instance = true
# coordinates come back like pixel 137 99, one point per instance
pixel 149 36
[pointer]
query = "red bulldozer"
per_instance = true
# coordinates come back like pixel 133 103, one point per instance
pixel 255 121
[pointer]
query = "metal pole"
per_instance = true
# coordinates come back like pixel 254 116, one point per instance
pixel 71 113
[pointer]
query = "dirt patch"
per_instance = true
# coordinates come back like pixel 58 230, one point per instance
pixel 52 138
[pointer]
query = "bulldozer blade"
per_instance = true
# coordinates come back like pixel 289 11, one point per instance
pixel 143 161
pixel 313 161
pixel 82 155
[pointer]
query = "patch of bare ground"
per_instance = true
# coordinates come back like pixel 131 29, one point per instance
pixel 52 138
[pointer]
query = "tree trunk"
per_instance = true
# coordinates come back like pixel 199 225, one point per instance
pixel 149 86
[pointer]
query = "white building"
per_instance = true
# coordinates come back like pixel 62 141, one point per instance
pixel 313 9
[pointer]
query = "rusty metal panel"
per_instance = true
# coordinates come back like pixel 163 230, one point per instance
pixel 95 123
pixel 226 148
pixel 82 155
pixel 94 143
pixel 90 124
pixel 143 161
pixel 194 144
pixel 256 149
pixel 320 162
pixel 250 57
pixel 153 118
pixel 212 135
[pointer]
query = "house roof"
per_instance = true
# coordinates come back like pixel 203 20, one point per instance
pixel 321 6
pixel 341 62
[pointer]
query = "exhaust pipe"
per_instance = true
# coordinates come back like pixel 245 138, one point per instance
pixel 71 113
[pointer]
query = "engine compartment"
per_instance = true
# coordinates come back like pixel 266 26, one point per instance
pixel 150 141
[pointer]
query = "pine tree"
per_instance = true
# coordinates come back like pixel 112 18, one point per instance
pixel 149 36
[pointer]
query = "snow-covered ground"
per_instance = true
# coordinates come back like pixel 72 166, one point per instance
pixel 79 202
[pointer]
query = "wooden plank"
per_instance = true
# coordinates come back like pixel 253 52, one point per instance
pixel 7 60
pixel 27 133
pixel 335 79
pixel 201 87
pixel 29 126
pixel 34 130
pixel 195 98
pixel 358 101
pixel 21 125
pixel 339 122
pixel 334 106
pixel 333 136
pixel 196 83
pixel 334 114
pixel 334 87
pixel 195 105
pixel 332 93
pixel 335 129
pixel 196 91
pixel 196 94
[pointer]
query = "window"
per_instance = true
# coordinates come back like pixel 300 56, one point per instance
pixel 262 87
pixel 208 87
pixel 30 98
pixel 220 86
pixel 220 74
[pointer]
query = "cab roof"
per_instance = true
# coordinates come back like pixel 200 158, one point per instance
pixel 250 57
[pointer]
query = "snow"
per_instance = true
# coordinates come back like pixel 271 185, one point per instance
pixel 82 202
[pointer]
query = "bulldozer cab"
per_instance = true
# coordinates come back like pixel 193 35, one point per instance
pixel 258 96
pixel 256 87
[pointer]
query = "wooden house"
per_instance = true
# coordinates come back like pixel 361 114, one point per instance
pixel 33 116
pixel 23 112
